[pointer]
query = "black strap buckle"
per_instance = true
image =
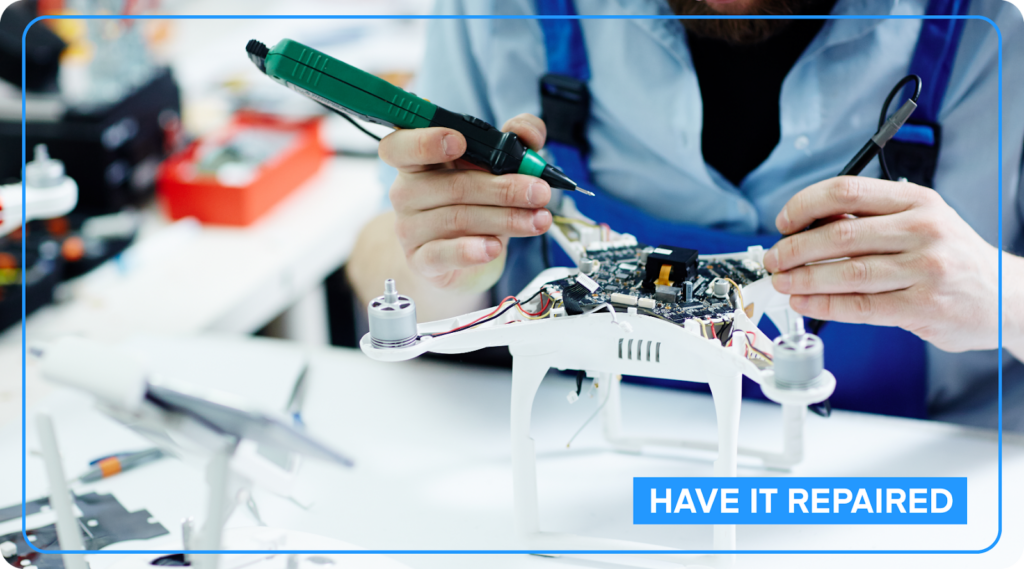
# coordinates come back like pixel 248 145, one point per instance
pixel 565 108
pixel 914 152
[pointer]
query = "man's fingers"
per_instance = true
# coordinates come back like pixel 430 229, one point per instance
pixel 445 255
pixel 844 238
pixel 530 129
pixel 848 194
pixel 884 309
pixel 448 187
pixel 465 220
pixel 871 274
pixel 411 150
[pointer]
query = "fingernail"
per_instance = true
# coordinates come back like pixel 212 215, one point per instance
pixel 771 260
pixel 781 282
pixel 492 247
pixel 782 222
pixel 541 219
pixel 449 145
pixel 798 302
pixel 530 193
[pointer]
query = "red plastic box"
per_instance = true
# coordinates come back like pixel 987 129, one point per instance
pixel 236 175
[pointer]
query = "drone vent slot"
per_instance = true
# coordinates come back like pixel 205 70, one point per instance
pixel 626 350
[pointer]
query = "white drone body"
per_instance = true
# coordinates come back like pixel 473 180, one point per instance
pixel 608 344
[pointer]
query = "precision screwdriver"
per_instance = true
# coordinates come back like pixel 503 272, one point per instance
pixel 352 91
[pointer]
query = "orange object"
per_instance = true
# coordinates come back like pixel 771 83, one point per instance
pixel 72 249
pixel 109 466
pixel 58 227
pixel 186 189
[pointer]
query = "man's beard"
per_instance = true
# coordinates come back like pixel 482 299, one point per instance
pixel 741 31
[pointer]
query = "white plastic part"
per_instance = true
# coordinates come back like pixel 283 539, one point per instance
pixel 49 193
pixel 638 345
pixel 112 375
pixel 68 534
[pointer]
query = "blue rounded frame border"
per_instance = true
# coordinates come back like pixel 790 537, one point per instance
pixel 998 534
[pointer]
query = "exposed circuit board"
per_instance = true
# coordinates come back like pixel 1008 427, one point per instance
pixel 620 272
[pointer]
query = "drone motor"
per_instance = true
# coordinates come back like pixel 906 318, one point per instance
pixel 392 319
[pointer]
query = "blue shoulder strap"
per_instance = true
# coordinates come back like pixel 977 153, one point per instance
pixel 883 370
pixel 935 53
pixel 914 151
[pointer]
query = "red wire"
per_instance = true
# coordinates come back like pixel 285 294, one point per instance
pixel 492 313
pixel 544 306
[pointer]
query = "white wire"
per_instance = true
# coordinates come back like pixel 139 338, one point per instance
pixel 591 418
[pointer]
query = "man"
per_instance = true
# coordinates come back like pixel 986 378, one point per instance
pixel 741 126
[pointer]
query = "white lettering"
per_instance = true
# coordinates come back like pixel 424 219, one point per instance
pixel 837 501
pixel 890 501
pixel 862 502
pixel 817 499
pixel 726 500
pixel 706 506
pixel 914 500
pixel 685 502
pixel 655 500
pixel 802 501
pixel 768 498
pixel 949 501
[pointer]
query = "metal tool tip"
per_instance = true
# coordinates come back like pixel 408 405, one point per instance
pixel 581 190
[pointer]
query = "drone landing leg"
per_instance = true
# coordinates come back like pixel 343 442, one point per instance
pixel 726 391
pixel 527 374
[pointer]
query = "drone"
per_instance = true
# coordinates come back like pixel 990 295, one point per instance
pixel 627 308
pixel 240 445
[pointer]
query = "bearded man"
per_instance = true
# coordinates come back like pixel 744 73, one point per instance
pixel 713 133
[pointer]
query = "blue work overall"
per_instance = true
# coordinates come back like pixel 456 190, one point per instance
pixel 878 369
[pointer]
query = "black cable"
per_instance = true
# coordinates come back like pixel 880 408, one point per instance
pixel 359 126
pixel 353 121
pixel 885 114
pixel 815 325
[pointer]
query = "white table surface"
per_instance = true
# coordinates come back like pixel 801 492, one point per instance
pixel 219 278
pixel 433 463
pixel 210 278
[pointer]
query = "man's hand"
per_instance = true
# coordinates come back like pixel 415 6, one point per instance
pixel 452 219
pixel 906 259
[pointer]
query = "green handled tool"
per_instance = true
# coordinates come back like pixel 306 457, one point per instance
pixel 350 91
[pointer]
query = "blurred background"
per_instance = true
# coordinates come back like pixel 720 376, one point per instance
pixel 211 199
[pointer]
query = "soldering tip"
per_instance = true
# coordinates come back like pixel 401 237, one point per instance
pixel 557 179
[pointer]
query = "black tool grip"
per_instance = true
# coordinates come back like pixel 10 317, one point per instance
pixel 487 147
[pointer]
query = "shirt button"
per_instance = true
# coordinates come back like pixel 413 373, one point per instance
pixel 801 142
